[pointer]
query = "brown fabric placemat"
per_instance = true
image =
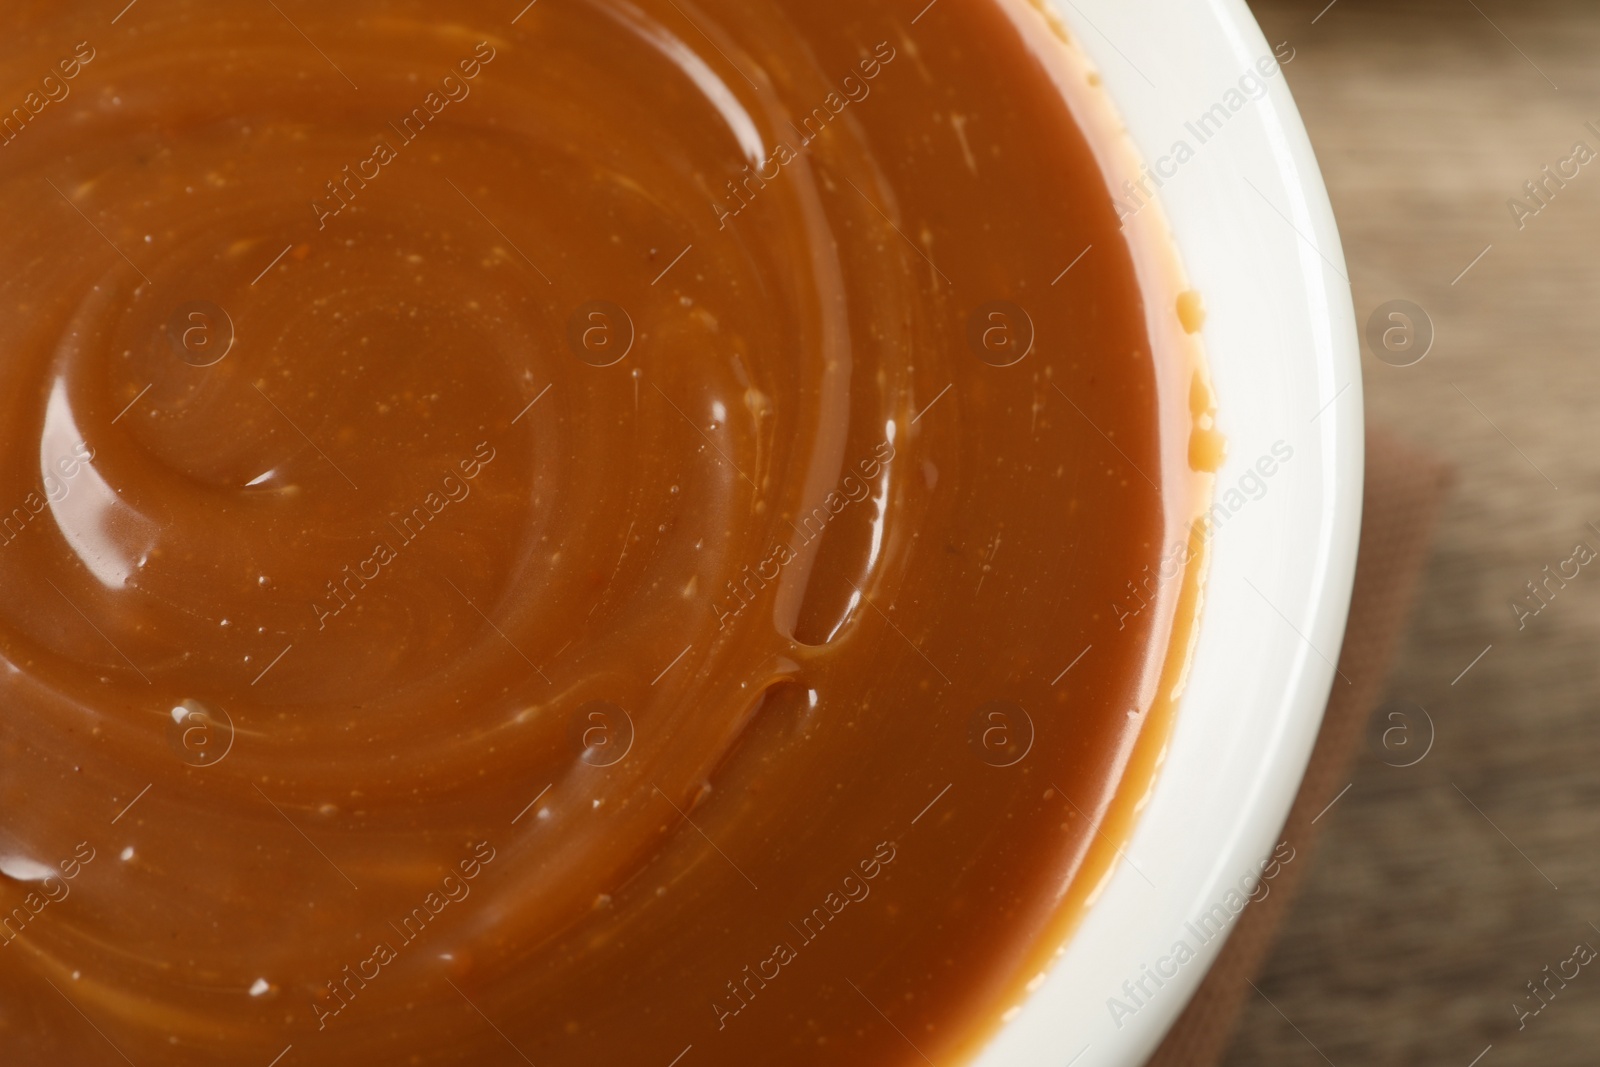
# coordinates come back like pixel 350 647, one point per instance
pixel 1404 489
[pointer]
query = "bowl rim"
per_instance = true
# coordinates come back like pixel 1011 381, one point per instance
pixel 1254 229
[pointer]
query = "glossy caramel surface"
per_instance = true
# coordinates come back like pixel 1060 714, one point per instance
pixel 582 535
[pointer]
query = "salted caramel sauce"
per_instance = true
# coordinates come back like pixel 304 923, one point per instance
pixel 587 534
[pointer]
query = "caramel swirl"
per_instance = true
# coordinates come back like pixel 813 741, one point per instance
pixel 554 535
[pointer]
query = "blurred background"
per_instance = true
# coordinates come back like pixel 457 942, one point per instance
pixel 1439 891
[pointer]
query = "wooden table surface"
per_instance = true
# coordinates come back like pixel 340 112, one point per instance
pixel 1440 890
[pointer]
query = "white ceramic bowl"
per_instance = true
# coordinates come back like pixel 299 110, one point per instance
pixel 1254 230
